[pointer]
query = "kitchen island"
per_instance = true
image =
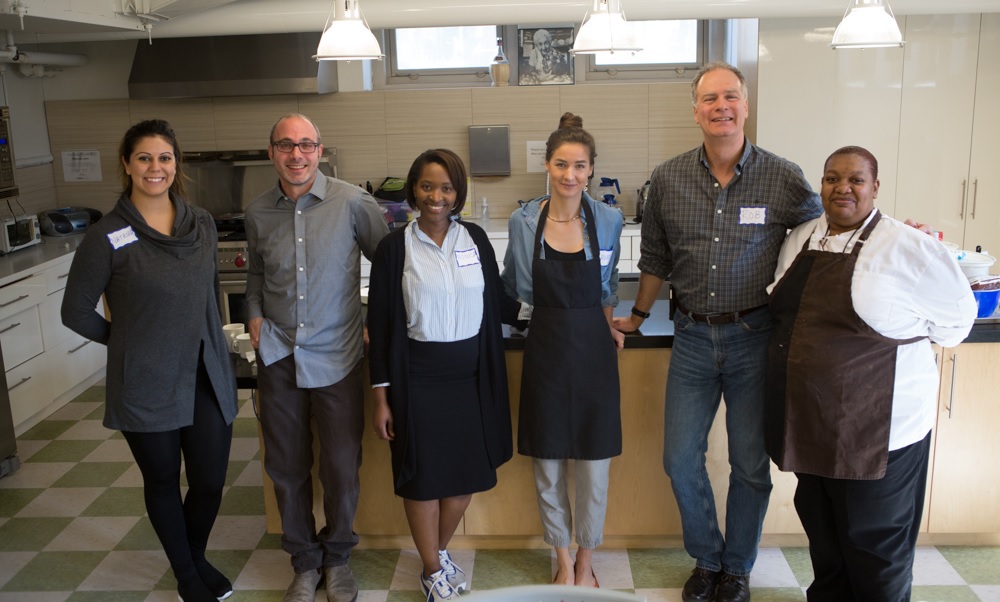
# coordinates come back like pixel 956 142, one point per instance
pixel 641 507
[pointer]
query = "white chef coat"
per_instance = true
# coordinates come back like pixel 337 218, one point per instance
pixel 906 284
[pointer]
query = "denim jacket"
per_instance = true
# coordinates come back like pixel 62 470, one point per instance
pixel 521 229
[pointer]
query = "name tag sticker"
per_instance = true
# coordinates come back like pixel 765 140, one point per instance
pixel 120 238
pixel 605 257
pixel 753 215
pixel 467 257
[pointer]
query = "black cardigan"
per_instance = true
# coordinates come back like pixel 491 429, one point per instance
pixel 389 356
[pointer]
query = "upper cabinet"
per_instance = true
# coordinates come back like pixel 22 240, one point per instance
pixel 947 167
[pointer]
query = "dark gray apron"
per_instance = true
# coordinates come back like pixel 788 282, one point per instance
pixel 569 381
pixel 830 376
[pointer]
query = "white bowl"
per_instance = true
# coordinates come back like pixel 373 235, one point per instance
pixel 976 264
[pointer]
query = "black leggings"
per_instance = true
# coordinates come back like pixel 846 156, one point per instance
pixel 183 527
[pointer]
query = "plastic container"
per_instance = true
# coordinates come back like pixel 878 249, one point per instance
pixel 988 301
pixel 976 264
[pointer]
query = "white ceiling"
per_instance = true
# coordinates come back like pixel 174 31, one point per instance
pixel 83 20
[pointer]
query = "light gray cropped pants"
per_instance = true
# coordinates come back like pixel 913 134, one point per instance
pixel 552 486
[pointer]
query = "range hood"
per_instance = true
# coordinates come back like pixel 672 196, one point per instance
pixel 230 66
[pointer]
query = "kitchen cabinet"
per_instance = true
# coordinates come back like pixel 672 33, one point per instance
pixel 47 364
pixel 965 482
pixel 947 158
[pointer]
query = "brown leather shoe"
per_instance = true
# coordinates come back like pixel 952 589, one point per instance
pixel 733 589
pixel 700 586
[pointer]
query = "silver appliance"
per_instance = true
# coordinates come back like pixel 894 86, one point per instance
pixel 233 281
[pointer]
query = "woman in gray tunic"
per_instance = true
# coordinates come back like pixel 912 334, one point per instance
pixel 170 386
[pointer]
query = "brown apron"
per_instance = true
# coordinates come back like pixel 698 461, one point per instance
pixel 830 375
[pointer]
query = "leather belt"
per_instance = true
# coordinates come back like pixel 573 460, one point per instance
pixel 716 319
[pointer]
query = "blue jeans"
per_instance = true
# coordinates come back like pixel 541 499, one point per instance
pixel 707 363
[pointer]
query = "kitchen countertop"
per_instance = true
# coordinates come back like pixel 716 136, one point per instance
pixel 36 258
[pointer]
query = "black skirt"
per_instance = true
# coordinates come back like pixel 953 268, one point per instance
pixel 446 422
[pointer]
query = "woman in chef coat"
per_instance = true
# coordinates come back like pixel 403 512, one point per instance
pixel 437 363
pixel 858 300
pixel 170 385
pixel 562 264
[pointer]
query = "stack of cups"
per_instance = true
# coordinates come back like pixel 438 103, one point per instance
pixel 232 331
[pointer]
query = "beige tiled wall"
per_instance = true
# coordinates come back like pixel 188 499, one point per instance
pixel 377 134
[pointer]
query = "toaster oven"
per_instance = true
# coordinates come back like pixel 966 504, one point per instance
pixel 19 232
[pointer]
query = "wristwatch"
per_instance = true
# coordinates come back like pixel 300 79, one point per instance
pixel 638 312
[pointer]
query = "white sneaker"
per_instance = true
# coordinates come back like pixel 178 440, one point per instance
pixel 452 572
pixel 436 587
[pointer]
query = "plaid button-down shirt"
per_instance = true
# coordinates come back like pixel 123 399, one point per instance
pixel 718 246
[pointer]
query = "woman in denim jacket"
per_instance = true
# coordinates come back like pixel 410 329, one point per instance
pixel 562 265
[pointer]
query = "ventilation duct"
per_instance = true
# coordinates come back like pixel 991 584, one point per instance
pixel 230 66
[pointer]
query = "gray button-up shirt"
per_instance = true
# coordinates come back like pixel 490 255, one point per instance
pixel 304 276
pixel 719 246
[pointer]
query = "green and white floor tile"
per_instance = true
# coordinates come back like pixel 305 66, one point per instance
pixel 73 528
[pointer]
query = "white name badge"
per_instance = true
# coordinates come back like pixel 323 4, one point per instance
pixel 120 238
pixel 467 257
pixel 606 257
pixel 753 215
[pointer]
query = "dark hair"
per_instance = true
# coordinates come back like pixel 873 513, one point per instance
pixel 859 151
pixel 270 137
pixel 151 128
pixel 714 66
pixel 570 131
pixel 452 165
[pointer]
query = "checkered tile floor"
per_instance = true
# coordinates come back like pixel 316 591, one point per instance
pixel 73 528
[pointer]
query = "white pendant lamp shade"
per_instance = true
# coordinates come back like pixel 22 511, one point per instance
pixel 347 37
pixel 604 30
pixel 867 24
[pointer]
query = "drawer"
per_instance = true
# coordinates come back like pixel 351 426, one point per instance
pixel 20 337
pixel 55 277
pixel 29 389
pixel 50 315
pixel 499 248
pixel 73 361
pixel 636 240
pixel 626 245
pixel 16 296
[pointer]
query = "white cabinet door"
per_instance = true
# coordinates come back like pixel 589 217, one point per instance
pixel 939 90
pixel 983 222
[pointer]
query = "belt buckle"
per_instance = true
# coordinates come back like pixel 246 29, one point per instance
pixel 708 319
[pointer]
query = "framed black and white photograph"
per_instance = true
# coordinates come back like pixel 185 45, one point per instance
pixel 543 56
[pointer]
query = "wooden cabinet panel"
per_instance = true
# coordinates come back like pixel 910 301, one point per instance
pixel 965 487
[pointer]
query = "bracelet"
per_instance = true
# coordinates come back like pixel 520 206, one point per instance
pixel 638 312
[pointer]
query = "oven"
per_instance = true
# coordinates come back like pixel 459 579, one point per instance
pixel 233 281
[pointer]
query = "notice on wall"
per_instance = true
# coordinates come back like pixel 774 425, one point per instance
pixel 82 166
pixel 536 156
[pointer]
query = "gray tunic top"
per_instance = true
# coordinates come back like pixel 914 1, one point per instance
pixel 162 295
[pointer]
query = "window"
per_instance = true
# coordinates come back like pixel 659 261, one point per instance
pixel 445 54
pixel 668 47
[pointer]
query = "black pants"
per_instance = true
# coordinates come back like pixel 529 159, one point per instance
pixel 183 526
pixel 863 534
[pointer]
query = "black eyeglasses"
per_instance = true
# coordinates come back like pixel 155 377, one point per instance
pixel 287 146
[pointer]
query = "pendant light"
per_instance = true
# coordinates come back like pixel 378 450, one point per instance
pixel 347 36
pixel 604 30
pixel 868 24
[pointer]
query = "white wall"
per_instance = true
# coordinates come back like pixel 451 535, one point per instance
pixel 813 100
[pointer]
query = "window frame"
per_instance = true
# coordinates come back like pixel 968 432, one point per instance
pixel 465 76
pixel 706 47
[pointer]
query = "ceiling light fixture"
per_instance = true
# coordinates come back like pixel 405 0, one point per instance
pixel 868 24
pixel 346 36
pixel 604 30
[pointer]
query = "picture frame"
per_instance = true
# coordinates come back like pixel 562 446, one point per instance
pixel 543 56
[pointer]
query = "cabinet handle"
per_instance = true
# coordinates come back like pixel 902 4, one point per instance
pixel 975 193
pixel 961 205
pixel 951 396
pixel 11 327
pixel 79 347
pixel 23 380
pixel 14 301
pixel 62 276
